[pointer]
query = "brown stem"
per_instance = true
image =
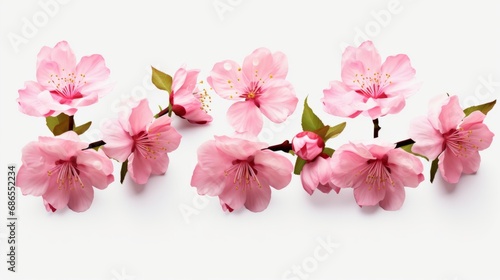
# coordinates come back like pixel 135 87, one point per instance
pixel 95 144
pixel 376 128
pixel 402 143
pixel 71 123
pixel 286 147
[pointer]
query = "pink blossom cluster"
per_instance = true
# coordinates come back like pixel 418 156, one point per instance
pixel 239 170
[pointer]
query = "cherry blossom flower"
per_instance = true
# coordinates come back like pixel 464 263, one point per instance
pixel 378 173
pixel 240 172
pixel 307 145
pixel 258 87
pixel 143 140
pixel 450 136
pixel 368 86
pixel 62 85
pixel 187 100
pixel 317 174
pixel 62 172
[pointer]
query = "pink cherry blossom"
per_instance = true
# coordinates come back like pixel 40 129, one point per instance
pixel 317 174
pixel 259 86
pixel 62 85
pixel 451 137
pixel 143 140
pixel 368 86
pixel 240 172
pixel 62 172
pixel 378 173
pixel 307 145
pixel 187 100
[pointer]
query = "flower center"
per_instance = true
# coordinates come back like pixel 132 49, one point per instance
pixel 378 175
pixel 372 85
pixel 205 100
pixel 461 142
pixel 67 86
pixel 253 91
pixel 244 175
pixel 149 145
pixel 68 176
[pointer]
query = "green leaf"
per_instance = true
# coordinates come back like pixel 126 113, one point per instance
pixel 407 148
pixel 82 128
pixel 434 169
pixel 322 132
pixel 59 124
pixel 299 164
pixel 328 151
pixel 161 80
pixel 484 108
pixel 334 131
pixel 123 171
pixel 310 122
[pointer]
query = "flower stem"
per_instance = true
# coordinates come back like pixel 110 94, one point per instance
pixel 95 145
pixel 376 128
pixel 164 112
pixel 71 123
pixel 286 147
pixel 402 143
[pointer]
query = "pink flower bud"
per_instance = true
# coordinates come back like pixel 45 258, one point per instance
pixel 307 145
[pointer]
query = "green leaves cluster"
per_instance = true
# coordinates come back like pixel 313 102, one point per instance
pixel 62 123
pixel 311 122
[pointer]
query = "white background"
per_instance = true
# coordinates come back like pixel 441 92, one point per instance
pixel 131 232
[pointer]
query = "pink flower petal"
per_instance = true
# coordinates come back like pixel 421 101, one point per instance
pixel 119 143
pixel 207 182
pixel 368 197
pixel 275 169
pixel 340 100
pixel 93 68
pixel 138 168
pixel 450 167
pixel 394 199
pixel 261 65
pixel 407 167
pixel 32 181
pixel 236 148
pixel 398 74
pixel 278 103
pixel 61 53
pixel 366 53
pixel 244 116
pixel 451 115
pixel 227 80
pixel 257 199
pixel 428 140
pixel 234 198
pixel 140 117
pixel 56 197
pixel 80 199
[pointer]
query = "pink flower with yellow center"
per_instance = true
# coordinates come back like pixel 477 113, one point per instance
pixel 368 86
pixel 258 87
pixel 143 140
pixel 450 136
pixel 240 172
pixel 62 85
pixel 378 173
pixel 63 172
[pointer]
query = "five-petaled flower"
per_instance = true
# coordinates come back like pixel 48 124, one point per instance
pixel 62 85
pixel 240 172
pixel 450 136
pixel 368 86
pixel 259 86
pixel 143 140
pixel 63 172
pixel 378 173
pixel 187 100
